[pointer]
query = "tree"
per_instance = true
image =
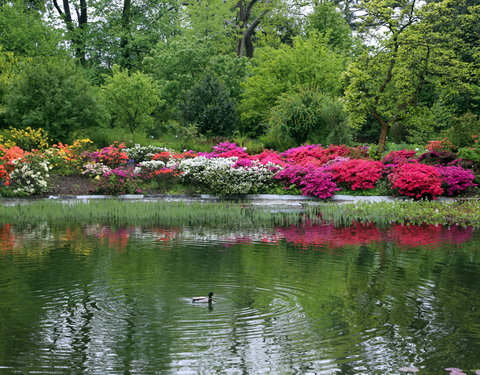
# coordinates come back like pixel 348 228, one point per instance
pixel 181 63
pixel 309 62
pixel 209 107
pixel 53 94
pixel 307 115
pixel 417 60
pixel 130 99
pixel 23 32
pixel 328 22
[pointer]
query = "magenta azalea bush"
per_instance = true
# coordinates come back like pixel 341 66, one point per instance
pixel 118 181
pixel 456 179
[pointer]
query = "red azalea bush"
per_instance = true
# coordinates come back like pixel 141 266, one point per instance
pixel 443 145
pixel 315 155
pixel 417 180
pixel 269 156
pixel 358 173
pixel 439 157
pixel 398 157
pixel 456 179
pixel 111 156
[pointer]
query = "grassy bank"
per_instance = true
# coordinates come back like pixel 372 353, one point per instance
pixel 466 213
pixel 225 215
pixel 238 215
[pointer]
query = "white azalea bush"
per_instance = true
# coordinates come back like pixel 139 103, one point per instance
pixel 30 175
pixel 143 153
pixel 94 169
pixel 225 176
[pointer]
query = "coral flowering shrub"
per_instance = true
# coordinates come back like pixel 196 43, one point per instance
pixel 456 179
pixel 358 173
pixel 417 180
pixel 316 155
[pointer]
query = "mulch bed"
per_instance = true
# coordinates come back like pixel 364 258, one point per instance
pixel 70 185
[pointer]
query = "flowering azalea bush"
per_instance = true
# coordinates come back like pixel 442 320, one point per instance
pixel 225 150
pixel 143 153
pixel 439 157
pixel 94 169
pixel 218 175
pixel 30 175
pixel 118 181
pixel 68 159
pixel 311 181
pixel 456 179
pixel 394 158
pixel 357 173
pixel 417 180
pixel 28 138
pixel 112 156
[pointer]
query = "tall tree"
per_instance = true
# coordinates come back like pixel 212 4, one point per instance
pixel 417 59
pixel 76 25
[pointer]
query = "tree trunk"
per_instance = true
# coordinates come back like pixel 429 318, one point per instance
pixel 125 40
pixel 384 126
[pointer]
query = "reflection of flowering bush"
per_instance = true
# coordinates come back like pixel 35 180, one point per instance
pixel 118 181
pixel 217 175
pixel 456 179
pixel 417 180
pixel 30 175
pixel 358 173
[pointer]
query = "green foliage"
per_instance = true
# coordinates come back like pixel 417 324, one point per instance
pixel 308 62
pixel 52 94
pixel 25 33
pixel 307 115
pixel 465 130
pixel 130 99
pixel 181 63
pixel 208 106
pixel 330 23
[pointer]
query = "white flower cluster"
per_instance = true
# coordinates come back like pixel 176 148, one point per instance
pixel 218 176
pixel 149 166
pixel 143 153
pixel 95 169
pixel 29 178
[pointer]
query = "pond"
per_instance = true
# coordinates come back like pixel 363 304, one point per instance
pixel 105 299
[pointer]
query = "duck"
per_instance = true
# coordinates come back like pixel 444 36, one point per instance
pixel 208 299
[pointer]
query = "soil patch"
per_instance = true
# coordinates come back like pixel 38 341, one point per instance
pixel 70 185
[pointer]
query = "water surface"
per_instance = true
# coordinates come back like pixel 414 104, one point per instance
pixel 103 299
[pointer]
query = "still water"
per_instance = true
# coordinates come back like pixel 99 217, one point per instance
pixel 99 299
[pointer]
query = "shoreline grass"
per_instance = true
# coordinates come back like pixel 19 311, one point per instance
pixel 463 213
pixel 241 215
pixel 221 214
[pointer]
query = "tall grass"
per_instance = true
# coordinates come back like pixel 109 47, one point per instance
pixel 466 213
pixel 225 215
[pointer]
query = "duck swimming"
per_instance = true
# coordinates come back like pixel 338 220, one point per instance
pixel 208 299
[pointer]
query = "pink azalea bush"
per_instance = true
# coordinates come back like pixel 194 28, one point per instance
pixel 225 150
pixel 417 180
